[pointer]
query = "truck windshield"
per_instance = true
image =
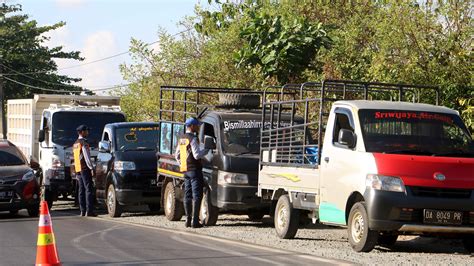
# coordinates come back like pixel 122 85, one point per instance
pixel 65 124
pixel 416 133
pixel 10 156
pixel 144 138
pixel 241 137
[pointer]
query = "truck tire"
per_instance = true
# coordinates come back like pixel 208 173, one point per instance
pixel 46 193
pixel 468 242
pixel 361 238
pixel 208 213
pixel 256 215
pixel 173 206
pixel 386 240
pixel 34 211
pixel 113 207
pixel 286 218
pixel 239 100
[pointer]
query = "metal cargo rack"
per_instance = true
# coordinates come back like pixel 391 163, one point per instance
pixel 176 103
pixel 299 144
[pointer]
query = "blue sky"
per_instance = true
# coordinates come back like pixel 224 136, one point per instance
pixel 100 28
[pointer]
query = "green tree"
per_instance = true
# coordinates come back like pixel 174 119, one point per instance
pixel 24 58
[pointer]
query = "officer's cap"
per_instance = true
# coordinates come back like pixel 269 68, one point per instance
pixel 82 128
pixel 192 121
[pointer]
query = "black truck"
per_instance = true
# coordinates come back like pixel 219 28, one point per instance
pixel 231 127
pixel 126 167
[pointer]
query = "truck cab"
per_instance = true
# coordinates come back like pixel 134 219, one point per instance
pixel 56 137
pixel 384 168
pixel 126 167
pixel 231 124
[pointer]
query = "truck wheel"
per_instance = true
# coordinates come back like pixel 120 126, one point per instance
pixel 113 207
pixel 361 238
pixel 239 100
pixel 468 242
pixel 34 211
pixel 208 213
pixel 174 208
pixel 286 218
pixel 387 240
pixel 46 193
pixel 256 215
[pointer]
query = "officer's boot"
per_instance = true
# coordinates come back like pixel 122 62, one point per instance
pixel 188 211
pixel 196 209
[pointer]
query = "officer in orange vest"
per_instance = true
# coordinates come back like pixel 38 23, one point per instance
pixel 189 155
pixel 84 172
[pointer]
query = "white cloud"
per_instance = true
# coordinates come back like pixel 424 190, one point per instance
pixel 95 46
pixel 70 3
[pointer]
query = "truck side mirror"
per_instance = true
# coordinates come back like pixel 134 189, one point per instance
pixel 209 143
pixel 347 137
pixel 41 135
pixel 34 163
pixel 104 146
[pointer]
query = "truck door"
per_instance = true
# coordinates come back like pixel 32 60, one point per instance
pixel 210 168
pixel 337 173
pixel 103 165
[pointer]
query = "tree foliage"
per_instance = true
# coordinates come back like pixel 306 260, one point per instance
pixel 259 43
pixel 23 50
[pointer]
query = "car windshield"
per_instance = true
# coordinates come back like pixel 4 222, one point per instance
pixel 241 137
pixel 11 156
pixel 65 124
pixel 143 138
pixel 416 133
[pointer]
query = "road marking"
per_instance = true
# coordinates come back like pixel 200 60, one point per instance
pixel 234 253
pixel 229 241
pixel 76 242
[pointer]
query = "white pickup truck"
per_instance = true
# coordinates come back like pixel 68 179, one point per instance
pixel 381 168
pixel 44 128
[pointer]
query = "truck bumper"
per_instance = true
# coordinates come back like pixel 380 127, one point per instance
pixel 60 186
pixel 403 212
pixel 238 197
pixel 137 196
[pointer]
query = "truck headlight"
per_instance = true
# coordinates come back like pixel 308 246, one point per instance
pixel 28 176
pixel 386 183
pixel 232 178
pixel 124 165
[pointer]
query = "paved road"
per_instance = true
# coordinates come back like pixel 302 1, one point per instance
pixel 96 241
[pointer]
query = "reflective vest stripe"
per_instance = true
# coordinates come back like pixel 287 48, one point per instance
pixel 183 154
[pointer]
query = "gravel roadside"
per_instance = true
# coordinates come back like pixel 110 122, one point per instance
pixel 319 240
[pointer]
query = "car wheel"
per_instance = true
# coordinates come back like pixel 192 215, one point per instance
pixel 34 211
pixel 387 240
pixel 256 215
pixel 468 242
pixel 14 212
pixel 154 207
pixel 173 207
pixel 113 207
pixel 208 213
pixel 286 218
pixel 361 238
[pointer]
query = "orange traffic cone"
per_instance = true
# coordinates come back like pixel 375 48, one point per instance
pixel 46 253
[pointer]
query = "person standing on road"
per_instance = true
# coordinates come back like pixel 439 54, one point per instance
pixel 84 172
pixel 189 155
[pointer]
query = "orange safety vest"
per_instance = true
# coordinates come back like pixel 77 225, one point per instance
pixel 79 162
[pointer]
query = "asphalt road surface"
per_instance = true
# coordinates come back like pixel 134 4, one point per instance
pixel 95 241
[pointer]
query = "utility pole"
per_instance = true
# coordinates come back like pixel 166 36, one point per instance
pixel 2 105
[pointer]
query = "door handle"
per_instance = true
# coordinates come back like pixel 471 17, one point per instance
pixel 326 159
